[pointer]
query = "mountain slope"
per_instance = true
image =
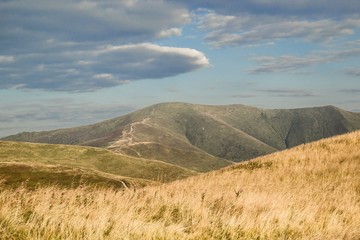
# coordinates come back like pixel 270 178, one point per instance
pixel 308 192
pixel 64 164
pixel 34 175
pixel 207 135
pixel 285 128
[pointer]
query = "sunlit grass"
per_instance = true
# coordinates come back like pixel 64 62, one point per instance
pixel 309 192
pixel 17 159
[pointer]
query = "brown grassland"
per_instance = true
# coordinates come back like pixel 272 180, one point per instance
pixel 309 192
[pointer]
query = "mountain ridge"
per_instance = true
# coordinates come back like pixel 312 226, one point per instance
pixel 215 134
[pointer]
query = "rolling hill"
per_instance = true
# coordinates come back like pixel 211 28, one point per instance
pixel 203 138
pixel 72 165
pixel 311 191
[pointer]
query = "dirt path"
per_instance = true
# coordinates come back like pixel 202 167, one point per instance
pixel 127 137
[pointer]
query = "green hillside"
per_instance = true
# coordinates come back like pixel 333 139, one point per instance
pixel 66 165
pixel 34 175
pixel 190 159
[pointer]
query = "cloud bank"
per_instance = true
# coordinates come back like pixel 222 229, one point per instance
pixel 93 69
pixel 286 63
pixel 247 29
pixel 307 8
pixel 79 46
pixel 89 21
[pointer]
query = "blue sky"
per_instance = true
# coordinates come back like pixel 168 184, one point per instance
pixel 68 63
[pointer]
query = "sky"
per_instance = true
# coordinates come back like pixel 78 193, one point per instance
pixel 69 63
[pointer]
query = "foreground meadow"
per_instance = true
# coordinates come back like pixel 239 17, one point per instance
pixel 308 192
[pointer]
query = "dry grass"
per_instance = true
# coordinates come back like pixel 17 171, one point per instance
pixel 309 192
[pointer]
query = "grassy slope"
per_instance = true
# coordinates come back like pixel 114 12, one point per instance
pixel 166 146
pixel 189 159
pixel 220 139
pixel 308 192
pixel 97 135
pixel 36 175
pixel 88 159
pixel 284 128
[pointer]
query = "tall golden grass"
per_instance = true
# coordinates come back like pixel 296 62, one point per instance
pixel 309 192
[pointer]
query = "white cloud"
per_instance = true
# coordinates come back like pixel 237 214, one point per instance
pixel 287 63
pixel 6 59
pixel 84 63
pixel 140 61
pixel 84 45
pixel 214 21
pixel 247 29
pixel 105 66
pixel 171 32
pixel 307 8
pixel 104 76
pixel 89 21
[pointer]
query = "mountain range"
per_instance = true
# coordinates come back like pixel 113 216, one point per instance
pixel 201 137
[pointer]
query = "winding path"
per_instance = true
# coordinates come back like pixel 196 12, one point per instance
pixel 126 139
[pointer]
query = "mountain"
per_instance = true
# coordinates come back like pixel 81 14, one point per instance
pixel 71 165
pixel 203 138
pixel 308 192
